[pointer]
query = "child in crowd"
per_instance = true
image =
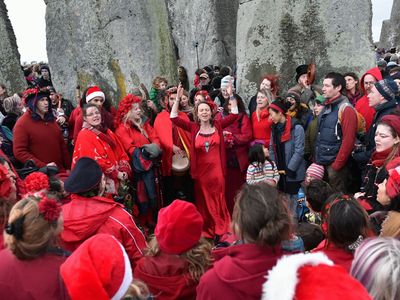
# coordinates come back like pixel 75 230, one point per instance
pixel 177 255
pixel 346 225
pixel 262 221
pixel 159 83
pixel 314 172
pixel 261 168
pixel 317 193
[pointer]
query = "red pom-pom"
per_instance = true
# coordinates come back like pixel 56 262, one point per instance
pixel 36 181
pixel 49 209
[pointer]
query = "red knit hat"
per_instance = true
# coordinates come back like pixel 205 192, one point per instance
pixel 93 92
pixel 179 227
pixel 99 269
pixel 393 182
pixel 311 277
pixel 315 171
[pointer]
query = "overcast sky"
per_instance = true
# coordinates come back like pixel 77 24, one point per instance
pixel 31 35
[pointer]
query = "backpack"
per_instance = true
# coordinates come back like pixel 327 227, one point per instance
pixel 361 125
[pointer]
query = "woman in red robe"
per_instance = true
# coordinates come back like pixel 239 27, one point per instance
pixel 237 138
pixel 102 145
pixel 208 162
pixel 141 142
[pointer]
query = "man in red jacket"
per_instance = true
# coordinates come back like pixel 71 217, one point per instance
pixel 37 136
pixel 89 213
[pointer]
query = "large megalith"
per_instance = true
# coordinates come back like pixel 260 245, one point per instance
pixel 390 36
pixel 115 44
pixel 277 36
pixel 210 24
pixel 10 68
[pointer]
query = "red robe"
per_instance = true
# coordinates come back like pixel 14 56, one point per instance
pixel 208 169
pixel 111 160
pixel 170 135
pixel 238 273
pixel 236 175
pixel 40 141
pixel 85 217
pixel 166 276
pixel 37 278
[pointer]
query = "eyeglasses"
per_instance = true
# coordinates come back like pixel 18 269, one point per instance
pixel 93 114
pixel 369 83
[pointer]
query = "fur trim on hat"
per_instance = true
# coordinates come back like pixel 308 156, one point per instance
pixel 286 271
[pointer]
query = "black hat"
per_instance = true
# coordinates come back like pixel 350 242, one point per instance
pixel 85 176
pixel 300 70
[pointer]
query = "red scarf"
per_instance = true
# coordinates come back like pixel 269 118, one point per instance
pixel 100 134
pixel 379 158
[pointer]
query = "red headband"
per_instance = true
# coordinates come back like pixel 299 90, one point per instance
pixel 276 107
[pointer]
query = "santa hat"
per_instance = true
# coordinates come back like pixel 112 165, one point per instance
pixel 179 227
pixel 312 277
pixel 98 269
pixel 315 171
pixel 93 92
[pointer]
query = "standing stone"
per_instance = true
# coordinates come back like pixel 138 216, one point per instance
pixel 114 44
pixel 390 36
pixel 277 36
pixel 10 69
pixel 212 24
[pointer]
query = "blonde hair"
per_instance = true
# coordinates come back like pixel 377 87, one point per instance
pixel 37 233
pixel 266 93
pixel 198 257
pixel 137 290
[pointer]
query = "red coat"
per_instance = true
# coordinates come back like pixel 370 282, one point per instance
pixel 242 136
pixel 110 160
pixel 132 138
pixel 238 273
pixel 85 217
pixel 194 128
pixel 40 141
pixel 362 105
pixel 38 278
pixel 166 276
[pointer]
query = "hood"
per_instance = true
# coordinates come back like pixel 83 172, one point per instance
pixel 167 276
pixel 244 267
pixel 374 72
pixel 84 216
